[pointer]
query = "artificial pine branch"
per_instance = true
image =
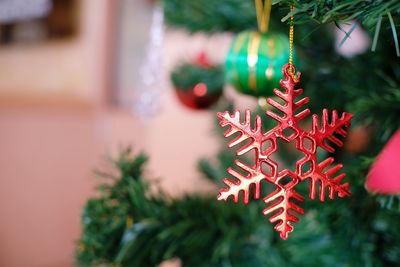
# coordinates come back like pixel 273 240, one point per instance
pixel 236 15
pixel 380 108
pixel 129 227
pixel 368 12
pixel 210 16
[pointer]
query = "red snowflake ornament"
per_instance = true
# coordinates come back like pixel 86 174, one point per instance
pixel 321 175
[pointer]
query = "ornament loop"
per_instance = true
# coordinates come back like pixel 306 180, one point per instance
pixel 263 12
pixel 290 70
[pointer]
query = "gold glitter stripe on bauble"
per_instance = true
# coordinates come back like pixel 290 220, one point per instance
pixel 271 46
pixel 235 50
pixel 252 59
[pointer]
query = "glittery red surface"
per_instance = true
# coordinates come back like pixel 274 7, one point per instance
pixel 322 175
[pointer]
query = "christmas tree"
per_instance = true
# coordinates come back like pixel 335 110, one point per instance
pixel 130 225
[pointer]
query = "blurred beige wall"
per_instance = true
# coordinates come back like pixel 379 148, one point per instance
pixel 50 137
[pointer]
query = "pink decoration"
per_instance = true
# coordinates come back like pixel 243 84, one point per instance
pixel 384 176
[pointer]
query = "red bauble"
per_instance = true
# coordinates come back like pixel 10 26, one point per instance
pixel 322 175
pixel 198 85
pixel 384 175
pixel 198 97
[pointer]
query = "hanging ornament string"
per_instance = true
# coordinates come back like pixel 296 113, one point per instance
pixel 263 11
pixel 291 35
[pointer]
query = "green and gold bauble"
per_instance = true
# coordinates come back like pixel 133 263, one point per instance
pixel 254 62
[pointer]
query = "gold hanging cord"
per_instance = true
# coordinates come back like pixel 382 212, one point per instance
pixel 291 35
pixel 263 11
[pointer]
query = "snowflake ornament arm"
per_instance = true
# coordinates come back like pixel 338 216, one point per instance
pixel 280 202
